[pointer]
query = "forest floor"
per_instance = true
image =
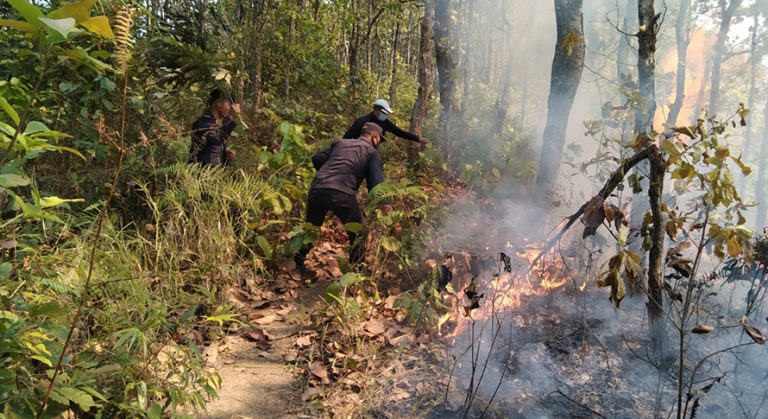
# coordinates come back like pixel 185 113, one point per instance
pixel 299 360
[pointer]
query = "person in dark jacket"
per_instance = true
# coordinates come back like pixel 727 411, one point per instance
pixel 341 169
pixel 380 117
pixel 211 131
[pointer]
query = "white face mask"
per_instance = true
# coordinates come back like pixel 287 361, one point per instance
pixel 381 116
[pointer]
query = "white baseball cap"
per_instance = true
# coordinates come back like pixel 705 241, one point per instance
pixel 384 105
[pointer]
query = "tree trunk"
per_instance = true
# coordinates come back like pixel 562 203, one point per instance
pixel 760 190
pixel 754 59
pixel 655 267
pixel 717 58
pixel 646 66
pixel 426 75
pixel 446 67
pixel 567 64
pixel 682 39
pixel 354 48
pixel 393 66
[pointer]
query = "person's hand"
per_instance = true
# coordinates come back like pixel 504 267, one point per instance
pixel 386 209
pixel 231 154
pixel 235 109
pixel 423 140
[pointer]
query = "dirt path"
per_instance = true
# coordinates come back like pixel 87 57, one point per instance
pixel 256 368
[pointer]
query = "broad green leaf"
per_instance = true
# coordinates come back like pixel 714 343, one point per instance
pixel 100 26
pixel 50 309
pixel 35 127
pixel 42 359
pixel 22 26
pixel 5 271
pixel 80 11
pixel 77 396
pixel 54 201
pixel 353 227
pixel 10 180
pixel 81 54
pixel 9 110
pixel 63 26
pixel 28 11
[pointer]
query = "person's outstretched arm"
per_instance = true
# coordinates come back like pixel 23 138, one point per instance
pixel 390 126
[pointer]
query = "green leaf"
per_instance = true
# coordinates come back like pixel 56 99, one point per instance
pixel 28 11
pixel 63 26
pixel 100 26
pixel 9 180
pixel 42 359
pixel 77 396
pixel 9 110
pixel 49 309
pixel 35 127
pixel 5 271
pixel 264 245
pixel 80 11
pixel 22 26
pixel 54 201
pixel 81 54
pixel 353 227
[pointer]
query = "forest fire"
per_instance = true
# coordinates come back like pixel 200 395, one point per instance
pixel 486 288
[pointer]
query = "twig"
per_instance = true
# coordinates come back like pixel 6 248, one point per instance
pixel 92 258
pixel 583 406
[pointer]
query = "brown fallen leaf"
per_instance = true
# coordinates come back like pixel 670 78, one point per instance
pixel 311 393
pixel 319 370
pixel 258 336
pixel 269 318
pixel 702 329
pixel 304 341
pixel 374 327
pixel 755 334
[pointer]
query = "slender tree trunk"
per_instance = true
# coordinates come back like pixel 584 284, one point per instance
pixel 567 65
pixel 426 76
pixel 393 66
pixel 646 66
pixel 354 48
pixel 760 189
pixel 717 58
pixel 754 59
pixel 682 39
pixel 446 67
pixel 655 304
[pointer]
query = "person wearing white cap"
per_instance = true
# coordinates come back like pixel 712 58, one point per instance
pixel 379 116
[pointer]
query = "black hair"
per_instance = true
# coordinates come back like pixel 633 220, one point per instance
pixel 217 94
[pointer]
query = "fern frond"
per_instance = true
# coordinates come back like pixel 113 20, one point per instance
pixel 121 26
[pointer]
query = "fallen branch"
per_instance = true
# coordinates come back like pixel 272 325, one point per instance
pixel 616 178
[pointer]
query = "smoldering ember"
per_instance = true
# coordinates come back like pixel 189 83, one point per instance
pixel 383 209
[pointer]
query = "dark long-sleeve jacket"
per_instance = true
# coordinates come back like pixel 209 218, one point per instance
pixel 209 140
pixel 344 164
pixel 388 126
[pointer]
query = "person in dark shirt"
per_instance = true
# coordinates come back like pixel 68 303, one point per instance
pixel 211 131
pixel 341 168
pixel 379 116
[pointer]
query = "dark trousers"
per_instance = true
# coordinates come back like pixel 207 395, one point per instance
pixel 345 207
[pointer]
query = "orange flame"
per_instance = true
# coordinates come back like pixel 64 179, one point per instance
pixel 701 43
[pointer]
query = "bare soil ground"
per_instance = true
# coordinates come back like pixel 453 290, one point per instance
pixel 257 367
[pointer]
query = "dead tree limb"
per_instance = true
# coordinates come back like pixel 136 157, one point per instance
pixel 616 178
